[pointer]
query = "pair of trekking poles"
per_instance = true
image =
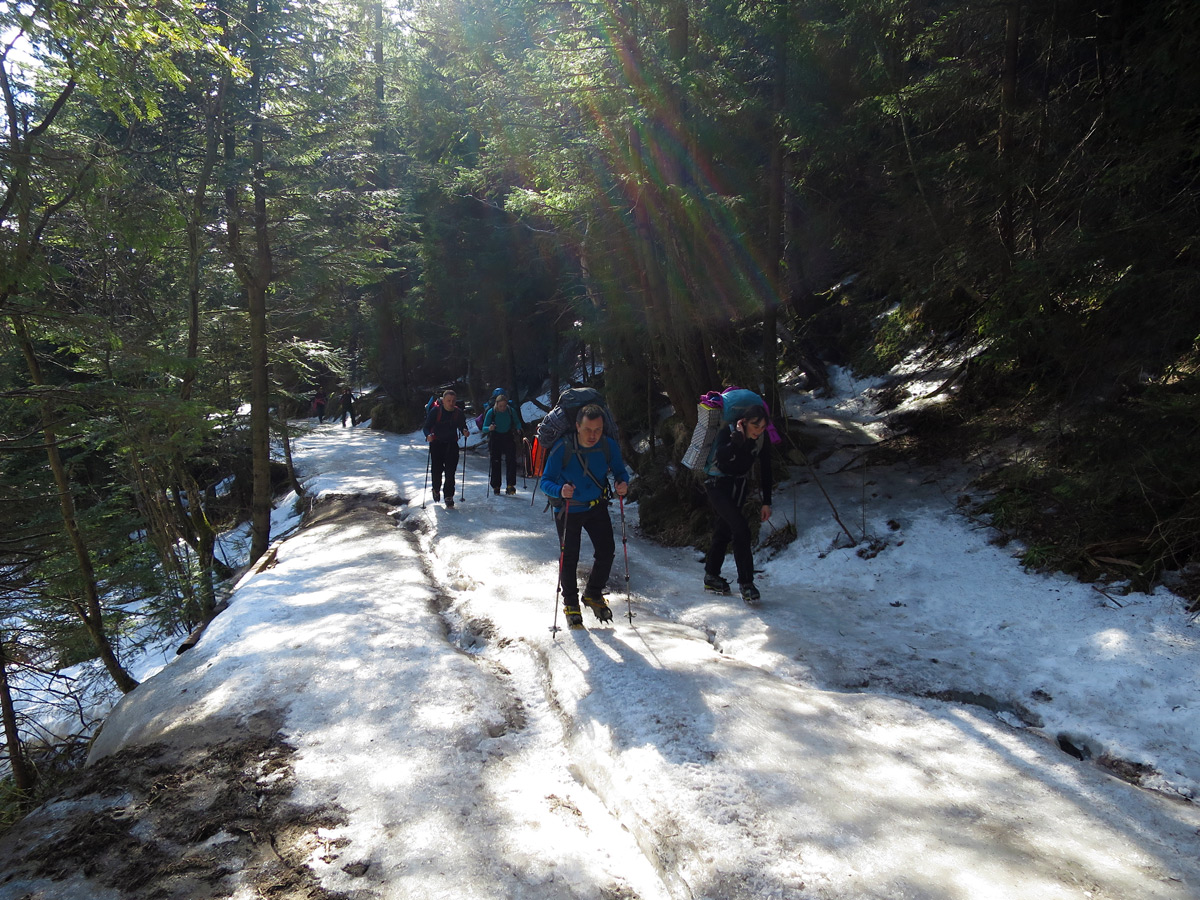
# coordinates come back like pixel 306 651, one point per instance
pixel 562 533
pixel 463 479
pixel 429 465
pixel 488 487
pixel 562 550
pixel 562 546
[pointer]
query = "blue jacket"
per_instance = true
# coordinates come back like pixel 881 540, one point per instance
pixel 565 464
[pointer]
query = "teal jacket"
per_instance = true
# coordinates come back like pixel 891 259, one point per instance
pixel 505 422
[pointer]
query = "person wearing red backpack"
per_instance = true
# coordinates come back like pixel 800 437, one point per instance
pixel 443 424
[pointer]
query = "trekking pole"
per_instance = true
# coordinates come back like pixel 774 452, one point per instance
pixel 625 546
pixel 536 480
pixel 561 528
pixel 428 463
pixel 525 462
pixel 487 482
pixel 464 474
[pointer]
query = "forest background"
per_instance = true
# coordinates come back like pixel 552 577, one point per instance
pixel 210 210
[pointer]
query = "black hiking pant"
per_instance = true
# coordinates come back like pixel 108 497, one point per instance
pixel 598 525
pixel 443 461
pixel 726 496
pixel 503 445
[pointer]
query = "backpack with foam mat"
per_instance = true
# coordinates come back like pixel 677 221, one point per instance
pixel 716 411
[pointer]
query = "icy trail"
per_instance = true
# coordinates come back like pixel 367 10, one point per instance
pixel 705 751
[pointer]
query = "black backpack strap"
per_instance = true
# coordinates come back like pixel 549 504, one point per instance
pixel 605 490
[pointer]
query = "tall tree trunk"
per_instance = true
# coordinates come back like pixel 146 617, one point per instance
pixel 89 609
pixel 510 366
pixel 775 241
pixel 260 424
pixel 555 367
pixel 196 214
pixel 1008 108
pixel 206 550
pixel 286 439
pixel 389 330
pixel 255 274
pixel 389 313
pixel 672 244
pixel 199 532
pixel 23 777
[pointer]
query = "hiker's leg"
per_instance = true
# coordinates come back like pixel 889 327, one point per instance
pixel 451 467
pixel 494 451
pixel 725 516
pixel 604 548
pixel 734 527
pixel 743 552
pixel 437 461
pixel 510 469
pixel 437 464
pixel 570 555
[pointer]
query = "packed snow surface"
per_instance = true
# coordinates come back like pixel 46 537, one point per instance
pixel 890 722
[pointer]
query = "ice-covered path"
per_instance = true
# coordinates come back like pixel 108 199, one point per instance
pixel 693 753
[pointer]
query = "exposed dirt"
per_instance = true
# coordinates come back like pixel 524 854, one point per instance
pixel 161 822
pixel 204 815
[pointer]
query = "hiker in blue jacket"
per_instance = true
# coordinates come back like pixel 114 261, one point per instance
pixel 735 450
pixel 502 425
pixel 576 474
pixel 443 424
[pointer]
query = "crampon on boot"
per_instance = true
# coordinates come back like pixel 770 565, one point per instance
pixel 750 594
pixel 599 606
pixel 716 584
pixel 574 616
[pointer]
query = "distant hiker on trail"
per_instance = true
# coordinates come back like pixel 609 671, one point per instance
pixel 576 475
pixel 444 422
pixel 502 424
pixel 318 406
pixel 735 449
pixel 347 401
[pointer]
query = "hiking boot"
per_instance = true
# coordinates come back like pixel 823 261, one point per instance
pixel 437 498
pixel 512 489
pixel 599 606
pixel 574 616
pixel 716 584
pixel 496 491
pixel 749 592
pixel 449 503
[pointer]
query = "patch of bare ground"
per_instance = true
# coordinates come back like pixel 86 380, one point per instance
pixel 157 822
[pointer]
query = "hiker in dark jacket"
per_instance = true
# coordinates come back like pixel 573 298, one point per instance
pixel 347 401
pixel 576 473
pixel 502 425
pixel 444 422
pixel 735 450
